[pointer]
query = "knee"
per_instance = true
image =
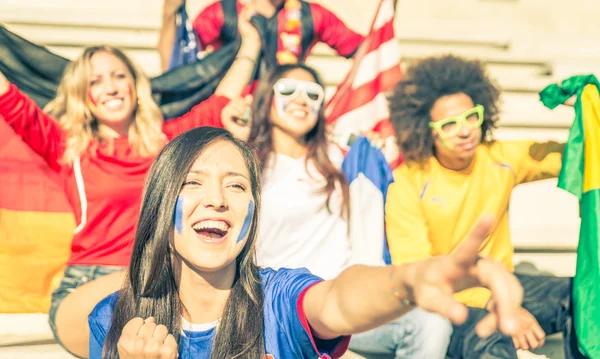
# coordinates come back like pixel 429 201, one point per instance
pixel 430 335
pixel 431 325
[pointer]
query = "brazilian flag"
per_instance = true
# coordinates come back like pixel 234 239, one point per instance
pixel 580 175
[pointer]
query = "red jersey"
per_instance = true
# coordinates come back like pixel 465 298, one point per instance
pixel 216 25
pixel 104 188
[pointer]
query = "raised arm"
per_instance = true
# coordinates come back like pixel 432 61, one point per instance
pixel 334 32
pixel 363 297
pixel 533 161
pixel 38 130
pixel 166 37
pixel 208 113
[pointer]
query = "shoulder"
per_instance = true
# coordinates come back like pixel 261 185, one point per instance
pixel 413 171
pixel 336 155
pixel 283 278
pixel 212 8
pixel 102 312
pixel 317 9
pixel 506 150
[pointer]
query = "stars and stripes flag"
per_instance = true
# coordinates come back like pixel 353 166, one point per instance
pixel 359 104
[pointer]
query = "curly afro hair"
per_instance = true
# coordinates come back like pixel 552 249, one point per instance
pixel 423 84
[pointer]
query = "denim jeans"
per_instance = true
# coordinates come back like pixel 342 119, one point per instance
pixel 548 299
pixel 74 277
pixel 416 335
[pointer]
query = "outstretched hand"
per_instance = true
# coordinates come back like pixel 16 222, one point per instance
pixel 434 281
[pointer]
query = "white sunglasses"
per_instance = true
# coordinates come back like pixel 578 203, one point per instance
pixel 311 91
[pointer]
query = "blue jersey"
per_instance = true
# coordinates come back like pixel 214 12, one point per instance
pixel 286 330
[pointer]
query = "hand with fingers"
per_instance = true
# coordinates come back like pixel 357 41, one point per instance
pixel 236 118
pixel 144 339
pixel 246 29
pixel 571 101
pixel 433 282
pixel 530 334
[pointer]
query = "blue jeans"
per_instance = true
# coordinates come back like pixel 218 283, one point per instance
pixel 416 335
pixel 74 277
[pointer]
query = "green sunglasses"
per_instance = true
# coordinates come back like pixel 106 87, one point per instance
pixel 451 126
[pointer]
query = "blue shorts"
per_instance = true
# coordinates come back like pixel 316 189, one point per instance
pixel 74 277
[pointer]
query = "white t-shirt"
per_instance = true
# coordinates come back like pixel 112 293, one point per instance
pixel 296 229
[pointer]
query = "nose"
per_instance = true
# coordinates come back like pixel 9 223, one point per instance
pixel 214 198
pixel 299 98
pixel 463 131
pixel 111 87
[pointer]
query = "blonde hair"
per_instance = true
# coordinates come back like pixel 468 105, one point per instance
pixel 71 108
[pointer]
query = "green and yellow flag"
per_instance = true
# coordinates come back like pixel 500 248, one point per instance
pixel 580 175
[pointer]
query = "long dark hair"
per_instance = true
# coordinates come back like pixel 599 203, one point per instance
pixel 261 134
pixel 151 288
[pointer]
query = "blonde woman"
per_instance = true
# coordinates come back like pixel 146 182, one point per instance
pixel 106 134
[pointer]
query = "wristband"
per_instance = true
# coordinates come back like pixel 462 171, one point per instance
pixel 245 58
pixel 403 299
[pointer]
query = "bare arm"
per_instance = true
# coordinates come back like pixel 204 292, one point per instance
pixel 166 38
pixel 363 297
pixel 240 72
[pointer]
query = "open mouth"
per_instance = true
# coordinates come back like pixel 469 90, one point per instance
pixel 114 104
pixel 212 231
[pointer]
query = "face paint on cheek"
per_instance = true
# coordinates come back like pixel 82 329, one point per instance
pixel 93 102
pixel 280 104
pixel 132 93
pixel 178 216
pixel 247 221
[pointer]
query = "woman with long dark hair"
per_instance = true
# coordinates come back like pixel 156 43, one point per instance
pixel 305 212
pixel 194 289
pixel 101 134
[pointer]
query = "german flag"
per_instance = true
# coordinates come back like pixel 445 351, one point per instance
pixel 35 231
pixel 580 175
pixel 36 222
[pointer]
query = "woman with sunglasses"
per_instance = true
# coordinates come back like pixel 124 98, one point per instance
pixel 194 289
pixel 304 221
pixel 444 111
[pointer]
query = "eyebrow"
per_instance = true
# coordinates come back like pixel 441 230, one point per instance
pixel 111 73
pixel 227 174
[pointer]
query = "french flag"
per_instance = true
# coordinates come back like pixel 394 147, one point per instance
pixel 359 104
pixel 369 176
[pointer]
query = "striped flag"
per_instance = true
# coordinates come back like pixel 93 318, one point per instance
pixel 36 227
pixel 359 104
pixel 580 175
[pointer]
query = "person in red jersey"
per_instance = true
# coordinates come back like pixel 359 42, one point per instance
pixel 289 29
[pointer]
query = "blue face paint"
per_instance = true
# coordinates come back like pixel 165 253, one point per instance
pixel 247 221
pixel 280 104
pixel 178 216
